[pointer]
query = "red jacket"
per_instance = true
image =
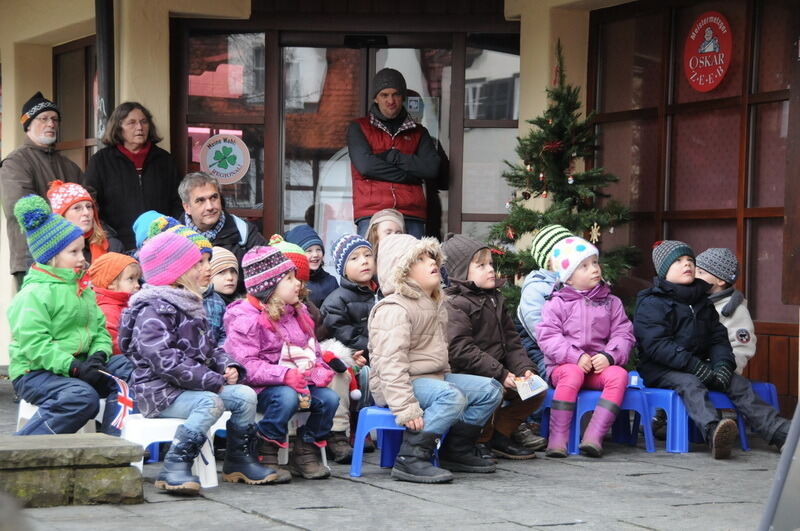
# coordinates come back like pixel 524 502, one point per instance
pixel 111 304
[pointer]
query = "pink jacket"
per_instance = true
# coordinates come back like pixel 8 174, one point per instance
pixel 574 322
pixel 256 343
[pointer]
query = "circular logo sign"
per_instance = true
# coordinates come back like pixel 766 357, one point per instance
pixel 707 53
pixel 225 157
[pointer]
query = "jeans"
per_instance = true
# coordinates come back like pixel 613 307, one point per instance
pixel 459 397
pixel 65 404
pixel 121 367
pixel 414 227
pixel 279 403
pixel 201 409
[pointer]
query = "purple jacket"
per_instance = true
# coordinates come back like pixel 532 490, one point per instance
pixel 257 344
pixel 165 334
pixel 574 322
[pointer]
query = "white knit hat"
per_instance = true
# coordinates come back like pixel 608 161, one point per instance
pixel 568 255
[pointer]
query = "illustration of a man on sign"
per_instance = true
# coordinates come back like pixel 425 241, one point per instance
pixel 710 43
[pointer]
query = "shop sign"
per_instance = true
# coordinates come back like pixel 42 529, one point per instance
pixel 226 157
pixel 708 51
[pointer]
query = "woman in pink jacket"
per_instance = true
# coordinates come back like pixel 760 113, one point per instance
pixel 586 338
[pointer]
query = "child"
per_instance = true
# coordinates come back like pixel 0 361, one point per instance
pixel 320 283
pixel 59 343
pixel 684 347
pixel 261 329
pixel 719 268
pixel 224 274
pixel 384 223
pixel 411 374
pixel 345 313
pixel 483 341
pixel 115 277
pixel 586 339
pixel 178 374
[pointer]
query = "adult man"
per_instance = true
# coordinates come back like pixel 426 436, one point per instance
pixel 30 169
pixel 390 157
pixel 203 213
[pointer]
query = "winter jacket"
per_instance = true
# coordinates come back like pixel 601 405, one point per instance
pixel 536 288
pixel 165 335
pixel 54 319
pixel 735 317
pixel 29 169
pixel 112 304
pixel 407 329
pixel 122 195
pixel 574 323
pixel 481 335
pixel 321 285
pixel 674 324
pixel 257 342
pixel 215 310
pixel 346 311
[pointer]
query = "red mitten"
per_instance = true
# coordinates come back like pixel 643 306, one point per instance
pixel 294 379
pixel 319 375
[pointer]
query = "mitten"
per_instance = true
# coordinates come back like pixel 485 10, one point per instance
pixel 333 362
pixel 89 372
pixel 294 379
pixel 319 375
pixel 702 370
pixel 723 374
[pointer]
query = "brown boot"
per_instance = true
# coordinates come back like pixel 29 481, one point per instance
pixel 268 456
pixel 305 461
pixel 339 448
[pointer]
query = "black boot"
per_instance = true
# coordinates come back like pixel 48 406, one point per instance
pixel 241 461
pixel 176 474
pixel 505 447
pixel 459 453
pixel 413 461
pixel 779 439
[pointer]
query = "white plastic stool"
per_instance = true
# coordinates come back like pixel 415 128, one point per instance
pixel 27 410
pixel 144 432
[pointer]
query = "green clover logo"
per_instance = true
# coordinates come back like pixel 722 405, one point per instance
pixel 224 157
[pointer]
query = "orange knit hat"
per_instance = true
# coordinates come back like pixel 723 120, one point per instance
pixel 63 195
pixel 105 269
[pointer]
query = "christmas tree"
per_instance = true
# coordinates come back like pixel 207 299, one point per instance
pixel 549 154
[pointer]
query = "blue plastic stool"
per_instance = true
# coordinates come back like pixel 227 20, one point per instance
pixel 767 392
pixel 677 417
pixel 380 419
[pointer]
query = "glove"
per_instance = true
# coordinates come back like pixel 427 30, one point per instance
pixel 702 370
pixel 294 379
pixel 89 372
pixel 333 362
pixel 319 375
pixel 723 374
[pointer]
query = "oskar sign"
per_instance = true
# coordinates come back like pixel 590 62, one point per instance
pixel 707 53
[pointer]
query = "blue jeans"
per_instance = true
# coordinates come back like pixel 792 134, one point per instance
pixel 65 404
pixel 459 397
pixel 414 227
pixel 279 403
pixel 201 409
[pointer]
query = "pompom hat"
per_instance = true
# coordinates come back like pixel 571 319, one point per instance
pixel 63 195
pixel 170 224
pixel 343 247
pixel 544 241
pixel 296 254
pixel 48 234
pixel 720 262
pixel 264 267
pixel 667 251
pixel 141 227
pixel 568 255
pixel 166 257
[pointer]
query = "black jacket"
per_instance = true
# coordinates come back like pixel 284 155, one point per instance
pixel 122 195
pixel 345 313
pixel 674 323
pixel 321 285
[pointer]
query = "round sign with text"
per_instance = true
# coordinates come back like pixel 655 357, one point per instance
pixel 226 157
pixel 708 51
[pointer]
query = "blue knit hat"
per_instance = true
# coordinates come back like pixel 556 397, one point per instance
pixel 304 236
pixel 48 234
pixel 141 227
pixel 343 247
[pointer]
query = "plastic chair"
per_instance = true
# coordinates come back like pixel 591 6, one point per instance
pixel 27 410
pixel 767 392
pixel 380 419
pixel 677 417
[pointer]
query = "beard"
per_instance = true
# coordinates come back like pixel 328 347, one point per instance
pixel 46 140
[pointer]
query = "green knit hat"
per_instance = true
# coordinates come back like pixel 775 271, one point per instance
pixel 170 224
pixel 544 241
pixel 48 234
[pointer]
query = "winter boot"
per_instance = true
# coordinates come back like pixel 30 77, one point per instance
pixel 305 461
pixel 485 452
pixel 721 436
pixel 779 438
pixel 506 448
pixel 603 417
pixel 525 436
pixel 560 420
pixel 268 455
pixel 413 461
pixel 339 448
pixel 176 474
pixel 458 452
pixel 241 461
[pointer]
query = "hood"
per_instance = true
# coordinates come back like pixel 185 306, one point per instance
pixel 162 296
pixel 597 293
pixel 459 250
pixel 396 257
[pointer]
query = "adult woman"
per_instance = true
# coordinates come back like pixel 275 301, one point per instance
pixel 132 175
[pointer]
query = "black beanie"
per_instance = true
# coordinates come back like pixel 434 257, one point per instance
pixel 35 106
pixel 388 78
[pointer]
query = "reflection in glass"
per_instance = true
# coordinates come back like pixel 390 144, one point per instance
pixel 629 150
pixel 485 150
pixel 70 73
pixel 766 273
pixel 769 154
pixel 491 85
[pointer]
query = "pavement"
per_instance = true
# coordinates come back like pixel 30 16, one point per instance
pixel 626 489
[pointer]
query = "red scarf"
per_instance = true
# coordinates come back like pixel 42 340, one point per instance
pixel 136 158
pixel 96 249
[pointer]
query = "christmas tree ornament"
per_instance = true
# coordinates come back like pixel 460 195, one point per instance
pixel 510 233
pixel 570 179
pixel 544 194
pixel 555 145
pixel 526 195
pixel 594 233
pixel 611 230
pixel 528 168
pixel 541 176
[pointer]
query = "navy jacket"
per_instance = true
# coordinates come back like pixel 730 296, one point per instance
pixel 321 285
pixel 346 311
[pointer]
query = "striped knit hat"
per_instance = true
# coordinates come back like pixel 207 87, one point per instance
pixel 34 107
pixel 544 241
pixel 264 267
pixel 667 251
pixel 166 257
pixel 48 234
pixel 63 195
pixel 169 224
pixel 343 247
pixel 222 259
pixel 296 254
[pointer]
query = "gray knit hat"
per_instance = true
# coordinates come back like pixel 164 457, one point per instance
pixel 544 241
pixel 459 250
pixel 388 78
pixel 667 251
pixel 720 262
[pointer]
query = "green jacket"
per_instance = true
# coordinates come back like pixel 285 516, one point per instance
pixel 51 324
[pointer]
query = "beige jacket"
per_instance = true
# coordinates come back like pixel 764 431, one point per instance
pixel 407 329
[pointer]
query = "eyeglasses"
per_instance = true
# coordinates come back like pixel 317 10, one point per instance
pixel 44 119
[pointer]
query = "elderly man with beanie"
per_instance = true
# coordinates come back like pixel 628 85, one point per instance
pixel 30 169
pixel 390 157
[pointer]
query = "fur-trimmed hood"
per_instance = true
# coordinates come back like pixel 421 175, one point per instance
pixel 396 256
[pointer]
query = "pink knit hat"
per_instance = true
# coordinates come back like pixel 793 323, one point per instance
pixel 264 267
pixel 166 257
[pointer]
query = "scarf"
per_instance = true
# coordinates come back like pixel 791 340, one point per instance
pixel 136 158
pixel 95 249
pixel 210 234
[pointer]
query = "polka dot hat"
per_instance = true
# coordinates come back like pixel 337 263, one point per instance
pixel 569 253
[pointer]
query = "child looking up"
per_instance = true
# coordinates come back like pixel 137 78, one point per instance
pixel 224 273
pixel 320 283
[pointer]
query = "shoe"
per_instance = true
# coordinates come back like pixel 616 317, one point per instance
pixel 369 446
pixel 505 447
pixel 659 424
pixel 176 474
pixel 779 439
pixel 305 461
pixel 339 448
pixel 268 456
pixel 413 462
pixel 458 451
pixel 485 452
pixel 241 458
pixel 723 435
pixel 525 436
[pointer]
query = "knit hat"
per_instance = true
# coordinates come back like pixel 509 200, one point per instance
pixel 305 237
pixel 568 255
pixel 264 267
pixel 545 239
pixel 296 254
pixel 170 224
pixel 63 195
pixel 48 234
pixel 720 262
pixel 460 250
pixel 388 78
pixel 167 256
pixel 343 247
pixel 106 268
pixel 667 251
pixel 387 214
pixel 34 107
pixel 222 259
pixel 141 227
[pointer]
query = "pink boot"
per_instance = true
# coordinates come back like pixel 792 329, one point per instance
pixel 603 417
pixel 560 419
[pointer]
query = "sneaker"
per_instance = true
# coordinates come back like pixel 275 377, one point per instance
pixel 525 436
